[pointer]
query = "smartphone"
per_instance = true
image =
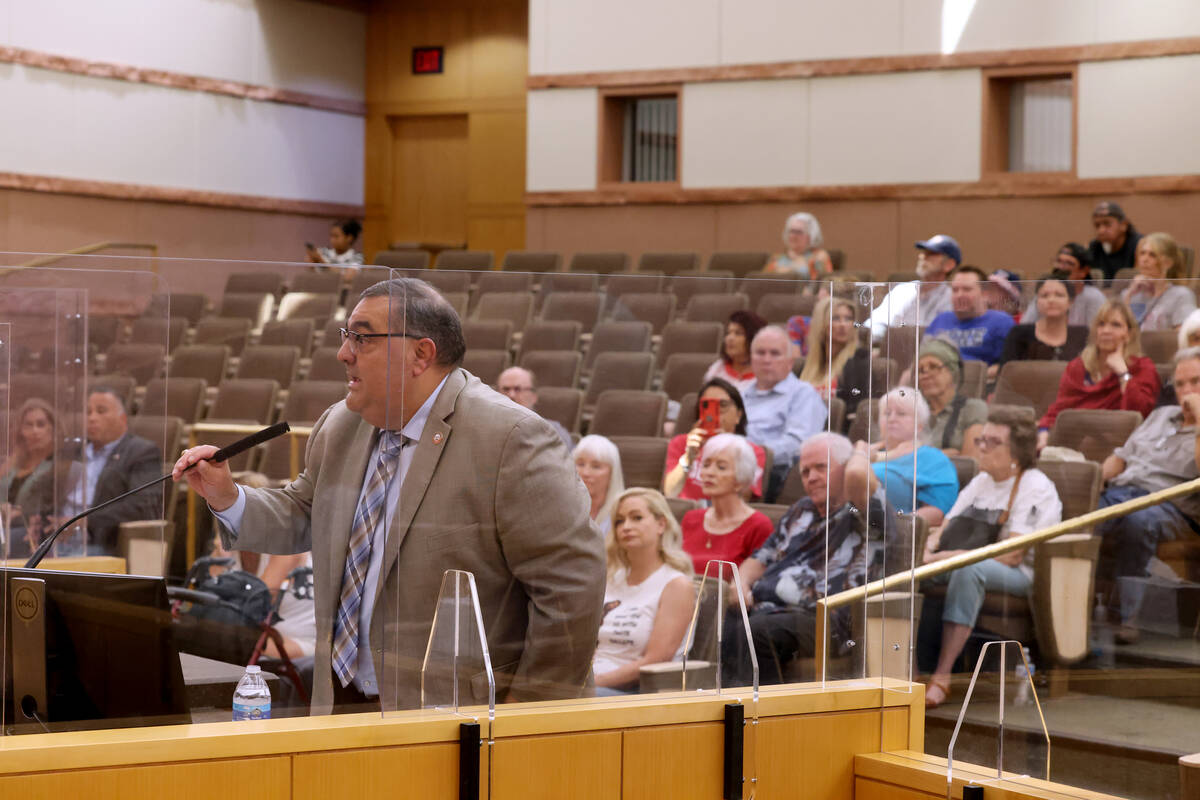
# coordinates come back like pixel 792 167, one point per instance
pixel 309 246
pixel 710 415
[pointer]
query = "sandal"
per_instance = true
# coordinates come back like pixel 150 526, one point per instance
pixel 938 690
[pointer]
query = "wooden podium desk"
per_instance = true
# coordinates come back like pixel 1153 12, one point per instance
pixel 651 746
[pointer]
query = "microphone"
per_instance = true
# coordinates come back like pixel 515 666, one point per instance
pixel 224 454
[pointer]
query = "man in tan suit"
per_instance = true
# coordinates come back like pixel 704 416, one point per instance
pixel 480 484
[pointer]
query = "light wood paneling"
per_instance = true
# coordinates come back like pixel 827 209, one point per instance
pixel 241 779
pixel 865 789
pixel 429 179
pixel 427 771
pixel 582 766
pixel 818 747
pixel 675 761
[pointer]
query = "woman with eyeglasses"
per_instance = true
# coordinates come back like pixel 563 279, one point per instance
pixel 902 462
pixel 954 419
pixel 681 474
pixel 1110 373
pixel 1052 337
pixel 1009 497
pixel 1157 302
pixel 803 256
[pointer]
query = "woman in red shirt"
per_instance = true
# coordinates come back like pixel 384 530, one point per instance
pixel 729 529
pixel 681 474
pixel 1110 373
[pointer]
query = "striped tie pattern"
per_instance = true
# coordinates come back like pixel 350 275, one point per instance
pixel 358 559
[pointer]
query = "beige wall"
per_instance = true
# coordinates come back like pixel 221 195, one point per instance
pixel 562 139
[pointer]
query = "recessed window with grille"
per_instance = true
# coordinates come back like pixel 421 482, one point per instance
pixel 1029 123
pixel 639 137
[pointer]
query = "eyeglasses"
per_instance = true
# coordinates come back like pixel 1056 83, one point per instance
pixel 929 369
pixel 359 340
pixel 988 442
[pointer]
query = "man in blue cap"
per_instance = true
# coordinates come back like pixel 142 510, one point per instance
pixel 918 302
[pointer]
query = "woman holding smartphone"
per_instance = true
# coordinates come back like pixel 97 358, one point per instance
pixel 721 411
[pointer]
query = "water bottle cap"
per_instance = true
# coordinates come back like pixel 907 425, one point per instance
pixel 253 669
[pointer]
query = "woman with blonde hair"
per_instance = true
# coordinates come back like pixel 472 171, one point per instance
pixel 649 598
pixel 598 463
pixel 1154 297
pixel 1110 373
pixel 832 340
pixel 803 254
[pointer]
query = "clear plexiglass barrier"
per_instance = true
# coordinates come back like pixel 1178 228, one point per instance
pixel 901 473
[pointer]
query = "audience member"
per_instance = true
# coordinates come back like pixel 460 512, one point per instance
pixel 115 461
pixel 28 478
pixel 832 340
pixel 1115 245
pixel 649 598
pixel 734 363
pixel 520 385
pixel 1052 337
pixel 1073 266
pixel 1009 497
pixel 918 302
pixel 781 410
pixel 681 473
pixel 1189 331
pixel 342 235
pixel 598 463
pixel 803 255
pixel 818 549
pixel 904 464
pixel 1162 452
pixel 1002 292
pixel 976 330
pixel 729 529
pixel 1156 302
pixel 1110 373
pixel 954 419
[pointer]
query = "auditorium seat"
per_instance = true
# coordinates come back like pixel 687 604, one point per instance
pixel 1029 383
pixel 159 330
pixel 738 263
pixel 209 362
pixel 175 397
pixel 1160 346
pixel 256 307
pixel 121 383
pixel 541 335
pixel 308 400
pixel 773 511
pixel 618 371
pixel 276 459
pixel 561 404
pixel 642 459
pixel 278 362
pixel 487 364
pixel 329 282
pixel 473 260
pixel 567 282
pixel 622 283
pixel 684 372
pixel 531 261
pixel 367 277
pixel 686 284
pixel 401 259
pixel 450 281
pixel 487 334
pixel 103 332
pixel 554 367
pixel 1095 432
pixel 245 399
pixel 331 334
pixel 758 287
pixel 704 307
pixel 901 344
pixel 515 307
pixel 617 337
pixel 630 412
pixel 974 378
pixel 966 468
pixel 690 337
pixel 583 307
pixel 189 305
pixel 657 309
pixel 304 305
pixel 231 332
pixel 668 263
pixel 326 366
pixel 140 361
pixel 459 301
pixel 257 282
pixel 599 263
pixel 297 333
pixel 777 309
pixel 503 282
pixel 163 431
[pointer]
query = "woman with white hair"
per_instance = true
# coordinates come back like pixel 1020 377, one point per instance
pixel 729 529
pixel 915 476
pixel 803 255
pixel 598 463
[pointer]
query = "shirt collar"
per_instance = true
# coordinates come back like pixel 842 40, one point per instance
pixel 780 387
pixel 105 450
pixel 416 426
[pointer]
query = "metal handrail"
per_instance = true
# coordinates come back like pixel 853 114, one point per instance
pixel 87 249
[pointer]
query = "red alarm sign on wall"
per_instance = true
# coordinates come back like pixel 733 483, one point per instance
pixel 427 60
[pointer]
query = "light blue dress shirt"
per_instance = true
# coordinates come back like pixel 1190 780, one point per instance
pixel 364 677
pixel 783 416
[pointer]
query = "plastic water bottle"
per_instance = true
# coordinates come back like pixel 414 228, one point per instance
pixel 252 697
pixel 1024 690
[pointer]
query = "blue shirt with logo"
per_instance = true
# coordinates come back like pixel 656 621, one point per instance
pixel 979 338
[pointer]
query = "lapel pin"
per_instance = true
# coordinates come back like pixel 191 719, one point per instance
pixel 437 438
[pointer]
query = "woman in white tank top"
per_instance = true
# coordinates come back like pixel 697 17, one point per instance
pixel 649 598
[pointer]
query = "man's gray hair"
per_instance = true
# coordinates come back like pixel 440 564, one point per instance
pixel 417 308
pixel 1186 354
pixel 774 330
pixel 840 448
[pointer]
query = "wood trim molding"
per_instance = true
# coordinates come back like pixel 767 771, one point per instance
pixel 1006 186
pixel 179 80
pixel 985 59
pixel 162 194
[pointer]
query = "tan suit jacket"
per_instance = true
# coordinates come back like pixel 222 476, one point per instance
pixel 491 490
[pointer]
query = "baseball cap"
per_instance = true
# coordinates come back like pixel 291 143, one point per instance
pixel 1109 209
pixel 942 244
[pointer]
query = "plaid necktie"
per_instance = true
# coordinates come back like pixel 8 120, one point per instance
pixel 358 559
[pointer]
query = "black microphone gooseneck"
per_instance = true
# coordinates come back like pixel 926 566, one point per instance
pixel 224 454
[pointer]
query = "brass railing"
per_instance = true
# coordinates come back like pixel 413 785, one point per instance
pixel 910 577
pixel 88 249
